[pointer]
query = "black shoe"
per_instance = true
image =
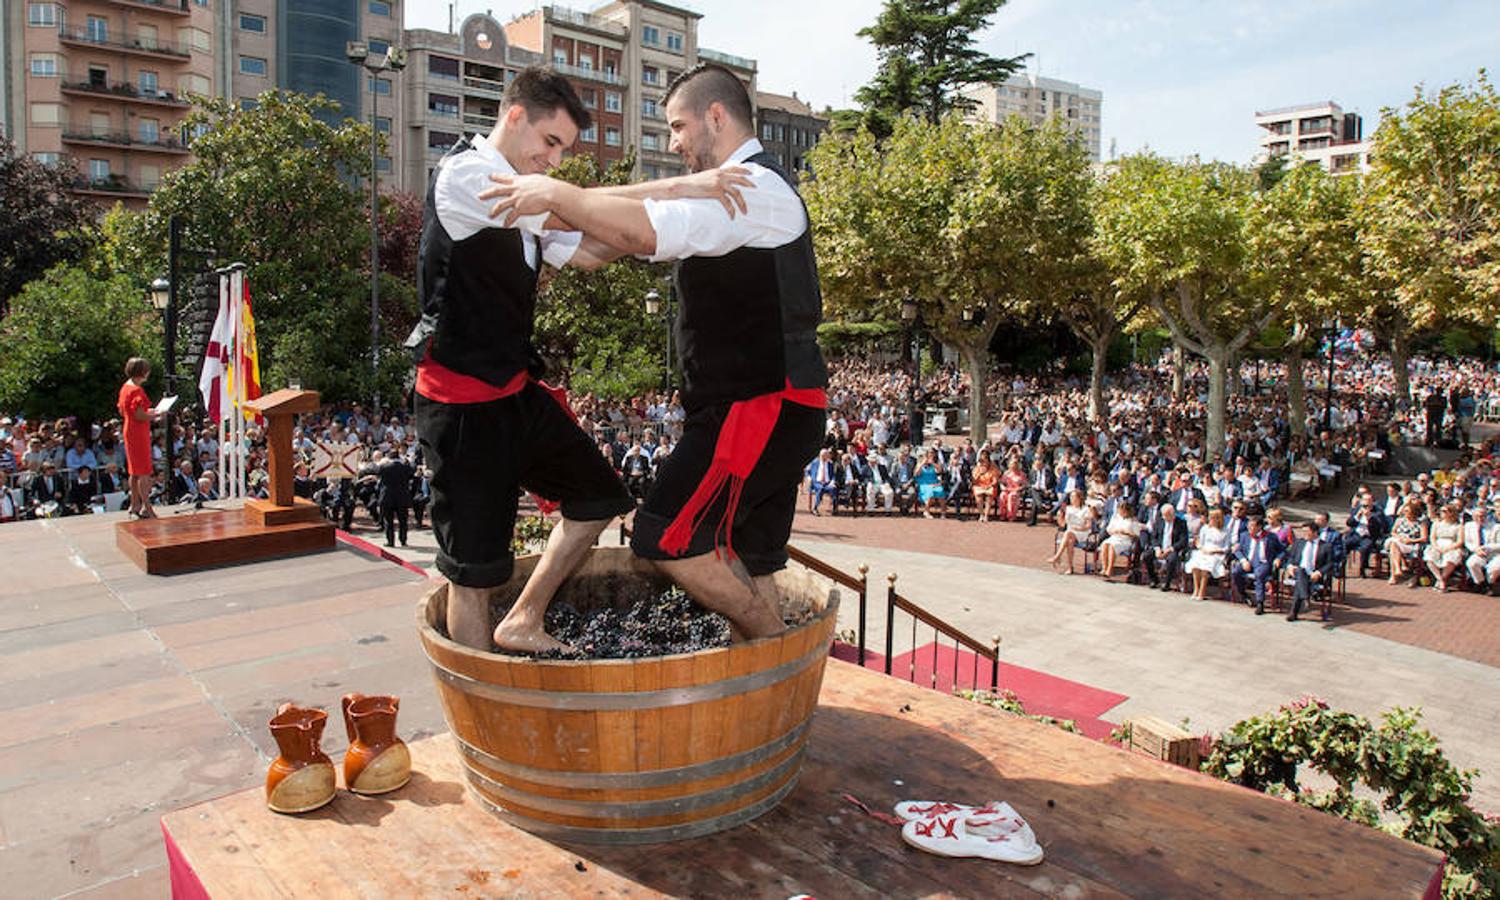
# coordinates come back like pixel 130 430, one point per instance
pixel 1260 609
pixel 1291 617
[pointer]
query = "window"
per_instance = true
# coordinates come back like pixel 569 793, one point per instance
pixel 98 170
pixel 612 101
pixel 765 131
pixel 674 42
pixel 193 84
pixel 252 65
pixel 98 29
pixel 559 56
pixel 247 104
pixel 442 67
pixel 99 124
pixel 44 65
pixel 650 34
pixel 196 38
pixel 612 137
pixel 150 177
pixel 383 124
pixel 380 8
pixel 589 97
pixel 609 67
pixel 650 141
pixel 378 47
pixel 41 14
pixel 380 86
pixel 648 108
pixel 441 140
pixel 589 135
pixel 442 105
pixel 46 113
pixel 383 164
pixel 47 159
pixel 650 75
pixel 146 36
pixel 256 24
pixel 149 130
pixel 586 63
pixel 780 132
pixel 147 82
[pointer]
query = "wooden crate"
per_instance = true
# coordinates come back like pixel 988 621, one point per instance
pixel 1160 739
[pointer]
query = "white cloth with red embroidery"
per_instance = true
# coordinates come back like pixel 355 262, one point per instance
pixel 992 831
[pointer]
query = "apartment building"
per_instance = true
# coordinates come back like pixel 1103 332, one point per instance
pixel 788 128
pixel 453 87
pixel 1317 132
pixel 106 84
pixel 1036 99
pixel 626 52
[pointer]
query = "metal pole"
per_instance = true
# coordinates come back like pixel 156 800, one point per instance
pixel 374 247
pixel 169 356
pixel 1328 388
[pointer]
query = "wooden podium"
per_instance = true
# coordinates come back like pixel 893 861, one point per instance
pixel 280 525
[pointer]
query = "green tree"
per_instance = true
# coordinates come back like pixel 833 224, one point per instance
pixel 1176 232
pixel 1303 240
pixel 592 326
pixel 927 53
pixel 42 222
pixel 274 187
pixel 1432 211
pixel 64 344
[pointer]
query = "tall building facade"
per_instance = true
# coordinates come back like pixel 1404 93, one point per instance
pixel 1317 132
pixel 1036 99
pixel 453 86
pixel 105 84
pixel 626 52
pixel 788 127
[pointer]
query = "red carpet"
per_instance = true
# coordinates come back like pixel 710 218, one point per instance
pixel 935 665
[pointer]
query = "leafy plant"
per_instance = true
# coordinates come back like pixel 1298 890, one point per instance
pixel 531 534
pixel 1397 759
pixel 1008 701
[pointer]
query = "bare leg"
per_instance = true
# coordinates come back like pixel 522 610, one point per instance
pixel 469 616
pixel 522 629
pixel 713 584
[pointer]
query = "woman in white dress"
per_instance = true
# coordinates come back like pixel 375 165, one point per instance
pixel 1077 523
pixel 1210 559
pixel 1123 530
pixel 1445 548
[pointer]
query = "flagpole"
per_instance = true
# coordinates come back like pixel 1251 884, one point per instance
pixel 237 291
pixel 225 489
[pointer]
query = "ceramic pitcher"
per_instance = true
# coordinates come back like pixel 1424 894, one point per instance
pixel 377 761
pixel 302 777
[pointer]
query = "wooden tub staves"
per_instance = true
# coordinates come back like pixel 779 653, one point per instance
pixel 632 751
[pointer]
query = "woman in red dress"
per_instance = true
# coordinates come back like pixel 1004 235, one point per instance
pixel 1012 486
pixel 137 415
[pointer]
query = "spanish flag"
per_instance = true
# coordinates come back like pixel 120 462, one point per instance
pixel 249 354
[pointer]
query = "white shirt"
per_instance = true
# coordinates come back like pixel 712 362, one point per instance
pixel 463 215
pixel 1310 556
pixel 702 227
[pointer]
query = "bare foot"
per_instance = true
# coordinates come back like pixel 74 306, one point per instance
pixel 517 638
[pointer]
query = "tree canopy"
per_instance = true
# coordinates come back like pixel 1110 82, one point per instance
pixel 42 223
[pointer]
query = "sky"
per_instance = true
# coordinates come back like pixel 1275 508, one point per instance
pixel 1179 77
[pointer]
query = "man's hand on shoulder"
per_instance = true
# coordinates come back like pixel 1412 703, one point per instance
pixel 725 185
pixel 521 195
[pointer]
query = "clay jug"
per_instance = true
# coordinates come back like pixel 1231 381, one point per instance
pixel 302 777
pixel 377 761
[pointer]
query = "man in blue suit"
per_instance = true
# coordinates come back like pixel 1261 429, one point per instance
pixel 1255 559
pixel 1313 563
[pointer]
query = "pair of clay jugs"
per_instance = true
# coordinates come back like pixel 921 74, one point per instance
pixel 302 779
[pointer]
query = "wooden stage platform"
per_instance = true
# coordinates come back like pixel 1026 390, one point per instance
pixel 1112 824
pixel 198 540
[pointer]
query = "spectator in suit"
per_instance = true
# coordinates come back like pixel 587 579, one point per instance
pixel 1313 566
pixel 394 476
pixel 1165 548
pixel 1332 536
pixel 206 490
pixel 184 484
pixel 46 486
pixel 850 490
pixel 1042 487
pixel 958 483
pixel 1482 539
pixel 636 469
pixel 82 492
pixel 110 481
pixel 421 492
pixel 1367 530
pixel 1255 559
pixel 904 478
pixel 821 480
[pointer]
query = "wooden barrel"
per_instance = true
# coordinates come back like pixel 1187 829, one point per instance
pixel 632 751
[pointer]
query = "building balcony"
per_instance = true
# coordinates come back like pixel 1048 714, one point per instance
pixel 484 87
pixel 563 16
pixel 136 45
pixel 113 186
pixel 122 140
pixel 598 75
pixel 122 90
pixel 478 121
pixel 725 59
pixel 173 7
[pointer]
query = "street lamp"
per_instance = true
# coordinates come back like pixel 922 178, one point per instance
pixel 654 309
pixel 393 60
pixel 913 318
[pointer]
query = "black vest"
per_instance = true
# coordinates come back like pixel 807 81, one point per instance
pixel 748 323
pixel 478 296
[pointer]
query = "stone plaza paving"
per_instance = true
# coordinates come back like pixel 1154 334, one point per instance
pixel 130 695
